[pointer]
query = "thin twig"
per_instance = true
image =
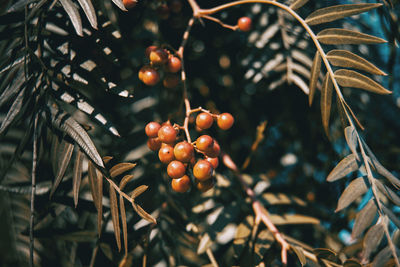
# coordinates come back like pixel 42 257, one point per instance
pixel 33 191
pixel 233 28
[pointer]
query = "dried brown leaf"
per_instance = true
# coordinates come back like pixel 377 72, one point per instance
pixel 351 139
pixel 364 218
pixel 351 263
pixel 345 166
pixel 121 168
pixel 381 259
pixel 293 219
pixel 204 244
pixel 96 188
pixel 388 192
pixel 138 191
pixel 142 213
pixel 335 36
pixel 372 239
pixel 77 175
pixel 391 215
pixel 64 154
pixel 351 78
pixel 124 223
pixel 115 216
pixel 297 4
pixel 355 189
pixel 300 254
pixel 326 101
pixel 126 179
pixel 315 70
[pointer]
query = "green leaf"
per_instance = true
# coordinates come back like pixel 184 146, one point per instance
pixel 88 8
pixel 364 218
pixel 355 189
pixel 115 216
pixel 332 13
pixel 346 166
pixel 346 59
pixel 73 14
pixel 315 70
pixel 336 36
pixel 77 175
pixel 297 4
pixel 326 101
pixel 351 78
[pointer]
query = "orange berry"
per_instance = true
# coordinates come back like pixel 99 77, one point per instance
pixel 158 56
pixel 171 81
pixel 154 144
pixel 204 120
pixel 225 121
pixel 244 24
pixel 149 76
pixel 176 169
pixel 214 162
pixel 167 134
pixel 129 3
pixel 183 151
pixel 152 128
pixel 166 153
pixel 206 185
pixel 204 143
pixel 214 151
pixel 202 170
pixel 181 185
pixel 174 64
pixel 150 49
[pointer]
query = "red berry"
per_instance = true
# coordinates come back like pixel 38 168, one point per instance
pixel 206 185
pixel 214 162
pixel 202 170
pixel 205 143
pixel 167 134
pixel 244 24
pixel 154 144
pixel 158 56
pixel 171 81
pixel 183 151
pixel 204 120
pixel 129 3
pixel 176 169
pixel 166 153
pixel 181 185
pixel 225 121
pixel 149 76
pixel 214 151
pixel 174 64
pixel 152 129
pixel 150 49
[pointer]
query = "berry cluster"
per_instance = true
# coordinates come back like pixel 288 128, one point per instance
pixel 161 61
pixel 201 156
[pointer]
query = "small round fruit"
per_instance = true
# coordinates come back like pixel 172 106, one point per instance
pixel 158 56
pixel 166 153
pixel 244 24
pixel 152 128
pixel 149 76
pixel 204 120
pixel 129 3
pixel 167 134
pixel 214 151
pixel 202 170
pixel 214 162
pixel 176 169
pixel 150 49
pixel 183 151
pixel 205 143
pixel 154 144
pixel 181 185
pixel 206 185
pixel 225 121
pixel 171 81
pixel 174 64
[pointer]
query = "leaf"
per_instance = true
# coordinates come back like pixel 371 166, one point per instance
pixel 77 175
pixel 332 13
pixel 388 192
pixel 351 139
pixel 293 219
pixel 351 263
pixel 64 122
pixel 300 254
pixel 120 4
pixel 121 168
pixel 13 112
pixel 124 223
pixel 391 216
pixel 126 179
pixel 13 88
pixel 64 155
pixel 73 14
pixel 140 211
pixel 204 244
pixel 115 216
pixel 364 218
pixel 326 101
pixel 345 166
pixel 351 78
pixel 315 70
pixel 346 59
pixel 138 191
pixel 372 239
pixel 335 36
pixel 355 189
pixel 325 253
pixel 96 188
pixel 88 8
pixel 382 258
pixel 297 4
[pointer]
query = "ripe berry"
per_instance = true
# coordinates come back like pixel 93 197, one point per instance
pixel 214 151
pixel 174 64
pixel 176 169
pixel 205 143
pixel 166 153
pixel 244 24
pixel 129 3
pixel 149 76
pixel 167 134
pixel 214 162
pixel 204 120
pixel 206 185
pixel 152 129
pixel 225 121
pixel 183 151
pixel 202 170
pixel 150 49
pixel 158 56
pixel 171 81
pixel 154 144
pixel 181 185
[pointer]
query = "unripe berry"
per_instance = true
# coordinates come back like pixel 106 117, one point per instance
pixel 176 169
pixel 181 185
pixel 202 170
pixel 214 162
pixel 154 144
pixel 205 143
pixel 204 120
pixel 174 64
pixel 167 134
pixel 206 185
pixel 183 151
pixel 149 76
pixel 171 81
pixel 129 3
pixel 244 24
pixel 166 153
pixel 152 128
pixel 225 121
pixel 214 151
pixel 158 56
pixel 150 49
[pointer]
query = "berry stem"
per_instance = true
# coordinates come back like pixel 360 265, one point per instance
pixel 233 28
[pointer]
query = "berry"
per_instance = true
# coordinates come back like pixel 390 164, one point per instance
pixel 158 56
pixel 202 170
pixel 205 143
pixel 167 134
pixel 206 185
pixel 166 153
pixel 154 144
pixel 129 3
pixel 149 76
pixel 176 169
pixel 214 162
pixel 150 49
pixel 171 81
pixel 214 151
pixel 183 151
pixel 174 64
pixel 244 24
pixel 152 129
pixel 204 120
pixel 181 185
pixel 225 121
